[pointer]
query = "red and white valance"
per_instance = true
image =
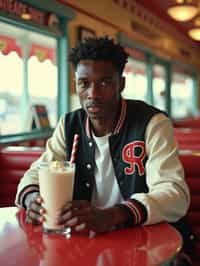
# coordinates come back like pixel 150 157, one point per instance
pixel 9 44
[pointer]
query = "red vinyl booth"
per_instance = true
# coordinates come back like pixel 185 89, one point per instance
pixel 191 164
pixel 188 138
pixel 187 135
pixel 193 122
pixel 14 161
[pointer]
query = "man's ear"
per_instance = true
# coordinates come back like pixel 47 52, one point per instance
pixel 122 83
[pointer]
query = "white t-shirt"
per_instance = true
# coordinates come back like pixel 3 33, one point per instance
pixel 106 191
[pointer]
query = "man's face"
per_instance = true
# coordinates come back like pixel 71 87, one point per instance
pixel 99 87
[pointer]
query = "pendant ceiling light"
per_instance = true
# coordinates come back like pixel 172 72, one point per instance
pixel 194 33
pixel 183 10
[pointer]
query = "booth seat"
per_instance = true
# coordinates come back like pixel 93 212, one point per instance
pixel 31 143
pixel 189 146
pixel 14 161
pixel 193 122
pixel 186 135
pixel 188 138
pixel 191 164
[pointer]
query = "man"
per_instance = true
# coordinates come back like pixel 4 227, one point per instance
pixel 127 167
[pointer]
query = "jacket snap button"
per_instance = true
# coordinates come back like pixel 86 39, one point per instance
pixel 191 237
pixel 90 144
pixel 87 185
pixel 88 166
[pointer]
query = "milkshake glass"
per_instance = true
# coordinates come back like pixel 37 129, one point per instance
pixel 56 180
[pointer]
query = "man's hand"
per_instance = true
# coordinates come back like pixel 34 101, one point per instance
pixel 34 209
pixel 81 215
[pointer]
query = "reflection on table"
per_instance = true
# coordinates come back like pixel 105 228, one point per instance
pixel 25 244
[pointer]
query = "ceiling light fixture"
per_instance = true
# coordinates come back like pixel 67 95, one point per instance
pixel 183 10
pixel 194 33
pixel 26 15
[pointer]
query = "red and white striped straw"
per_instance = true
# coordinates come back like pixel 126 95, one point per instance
pixel 74 148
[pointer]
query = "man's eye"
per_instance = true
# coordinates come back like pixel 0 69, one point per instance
pixel 105 83
pixel 83 83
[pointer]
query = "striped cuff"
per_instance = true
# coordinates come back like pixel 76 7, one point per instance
pixel 25 192
pixel 137 211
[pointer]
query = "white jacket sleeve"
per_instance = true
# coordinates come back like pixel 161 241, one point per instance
pixel 168 198
pixel 55 150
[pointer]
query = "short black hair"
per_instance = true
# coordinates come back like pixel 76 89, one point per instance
pixel 99 49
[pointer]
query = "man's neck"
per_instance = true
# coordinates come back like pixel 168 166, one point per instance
pixel 102 127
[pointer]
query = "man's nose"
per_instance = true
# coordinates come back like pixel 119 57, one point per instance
pixel 93 91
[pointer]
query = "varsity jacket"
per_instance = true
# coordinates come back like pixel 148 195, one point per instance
pixel 127 146
pixel 145 160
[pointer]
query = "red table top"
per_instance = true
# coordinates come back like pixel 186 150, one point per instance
pixel 26 245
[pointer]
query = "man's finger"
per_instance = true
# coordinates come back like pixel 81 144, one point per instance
pixel 85 224
pixel 80 227
pixel 33 217
pixel 78 204
pixel 65 209
pixel 82 222
pixel 36 207
pixel 72 222
pixel 81 212
pixel 39 200
pixel 65 217
pixel 72 206
pixel 28 220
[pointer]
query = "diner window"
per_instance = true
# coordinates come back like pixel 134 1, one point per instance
pixel 43 85
pixel 28 76
pixel 135 80
pixel 182 95
pixel 159 87
pixel 10 93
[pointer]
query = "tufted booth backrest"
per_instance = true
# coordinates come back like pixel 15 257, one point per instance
pixel 187 122
pixel 187 135
pixel 14 161
pixel 191 164
pixel 188 138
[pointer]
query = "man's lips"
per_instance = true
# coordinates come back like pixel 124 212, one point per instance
pixel 93 107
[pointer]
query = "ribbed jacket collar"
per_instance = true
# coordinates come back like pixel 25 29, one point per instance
pixel 119 123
